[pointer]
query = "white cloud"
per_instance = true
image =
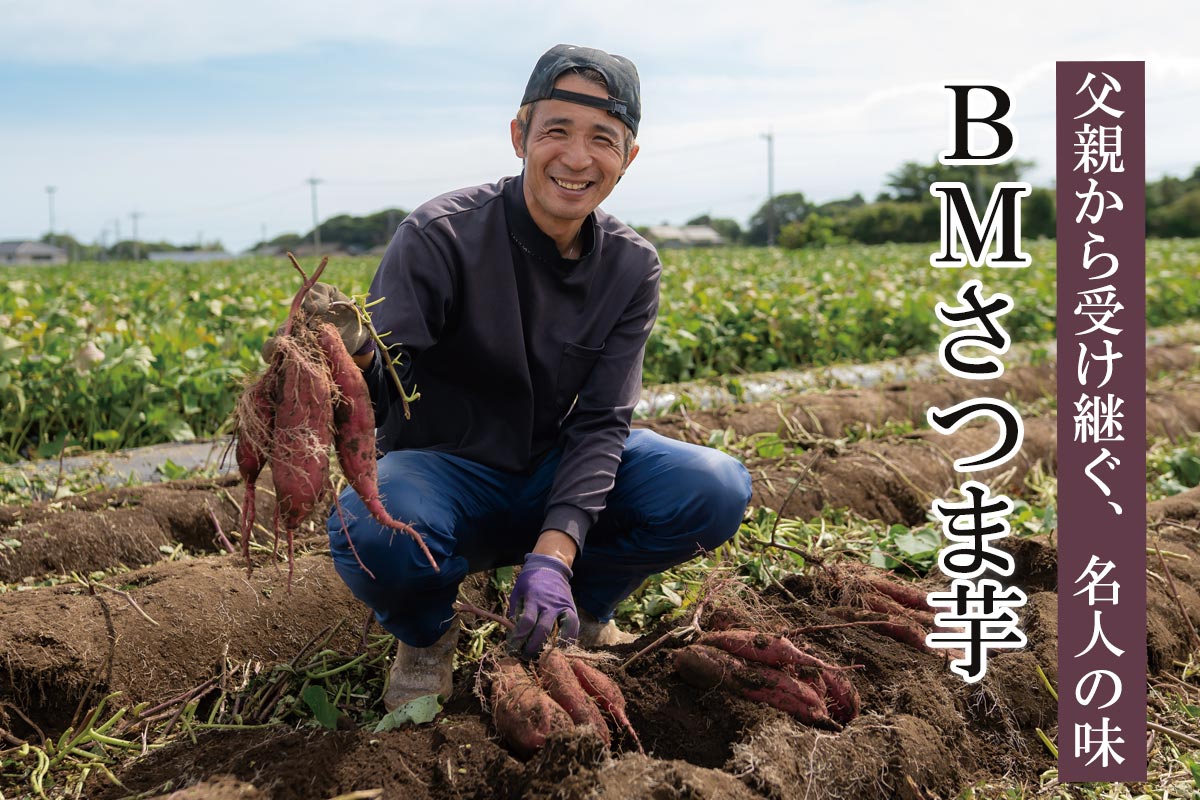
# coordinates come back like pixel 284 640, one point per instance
pixel 851 90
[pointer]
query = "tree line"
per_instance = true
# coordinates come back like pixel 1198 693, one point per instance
pixel 905 212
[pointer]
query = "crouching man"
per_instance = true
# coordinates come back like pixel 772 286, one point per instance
pixel 521 311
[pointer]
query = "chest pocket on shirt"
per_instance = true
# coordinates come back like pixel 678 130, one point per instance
pixel 573 370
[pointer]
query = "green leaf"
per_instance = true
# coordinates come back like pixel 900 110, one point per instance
pixel 326 713
pixel 770 446
pixel 172 471
pixel 502 579
pixel 918 544
pixel 177 430
pixel 880 559
pixel 671 595
pixel 53 447
pixel 107 436
pixel 416 712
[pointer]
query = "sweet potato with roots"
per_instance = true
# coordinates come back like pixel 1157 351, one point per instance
pixel 303 433
pixel 524 713
pixel 311 396
pixel 606 694
pixel 709 667
pixel 255 416
pixel 903 630
pixel 841 698
pixel 354 432
pixel 556 675
pixel 771 649
pixel 906 594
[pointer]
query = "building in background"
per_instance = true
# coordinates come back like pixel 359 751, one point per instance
pixel 669 236
pixel 25 252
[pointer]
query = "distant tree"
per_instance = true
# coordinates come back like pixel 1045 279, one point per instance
pixel 836 207
pixel 891 221
pixel 361 233
pixel 815 230
pixel 124 250
pixel 790 207
pixel 1038 214
pixel 288 241
pixel 729 229
pixel 76 250
pixel 910 182
pixel 1167 190
pixel 1180 217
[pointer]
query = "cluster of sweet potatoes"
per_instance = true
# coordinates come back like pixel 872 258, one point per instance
pixel 310 397
pixel 769 668
pixel 896 610
pixel 560 693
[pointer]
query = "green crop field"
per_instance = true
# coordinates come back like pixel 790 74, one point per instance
pixel 177 340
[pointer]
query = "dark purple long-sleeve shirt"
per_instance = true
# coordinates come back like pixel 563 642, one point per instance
pixel 513 348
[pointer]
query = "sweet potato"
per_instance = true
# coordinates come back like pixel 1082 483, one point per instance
pixel 841 698
pixel 901 629
pixel 709 667
pixel 255 429
pixel 607 695
pixel 303 433
pixel 354 432
pixel 771 649
pixel 523 712
pixel 885 604
pixel 906 594
pixel 556 675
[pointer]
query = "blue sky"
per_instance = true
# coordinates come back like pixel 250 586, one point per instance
pixel 208 118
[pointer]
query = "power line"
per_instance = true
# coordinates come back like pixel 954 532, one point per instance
pixel 229 206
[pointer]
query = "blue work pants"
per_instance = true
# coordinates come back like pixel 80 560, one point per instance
pixel 671 500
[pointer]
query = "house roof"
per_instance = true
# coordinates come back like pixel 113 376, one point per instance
pixel 686 234
pixel 25 247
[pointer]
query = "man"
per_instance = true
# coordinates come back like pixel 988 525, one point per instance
pixel 521 311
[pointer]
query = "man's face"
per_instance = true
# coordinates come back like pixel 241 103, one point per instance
pixel 573 154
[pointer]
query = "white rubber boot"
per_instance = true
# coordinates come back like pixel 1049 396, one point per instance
pixel 418 671
pixel 594 633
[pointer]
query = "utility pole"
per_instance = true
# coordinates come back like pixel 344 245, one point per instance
pixel 770 137
pixel 50 190
pixel 316 225
pixel 117 231
pixel 134 216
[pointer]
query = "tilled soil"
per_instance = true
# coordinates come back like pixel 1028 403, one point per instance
pixel 129 525
pixel 923 733
pixel 893 479
pixel 832 414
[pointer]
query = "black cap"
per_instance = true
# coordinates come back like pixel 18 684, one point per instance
pixel 624 89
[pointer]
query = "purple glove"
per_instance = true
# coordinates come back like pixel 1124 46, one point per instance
pixel 541 598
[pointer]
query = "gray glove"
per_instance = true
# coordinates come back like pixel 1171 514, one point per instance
pixel 342 316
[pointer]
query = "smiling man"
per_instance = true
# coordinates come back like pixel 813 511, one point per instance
pixel 521 311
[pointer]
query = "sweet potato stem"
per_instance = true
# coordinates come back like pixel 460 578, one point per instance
pixel 298 300
pixel 364 319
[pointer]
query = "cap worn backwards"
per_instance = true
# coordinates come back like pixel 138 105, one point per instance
pixel 624 99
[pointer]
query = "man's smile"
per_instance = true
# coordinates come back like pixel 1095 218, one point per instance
pixel 573 186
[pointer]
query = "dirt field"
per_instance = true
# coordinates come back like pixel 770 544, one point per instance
pixel 188 628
